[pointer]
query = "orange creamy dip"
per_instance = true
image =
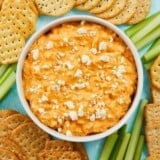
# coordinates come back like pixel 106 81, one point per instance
pixel 79 78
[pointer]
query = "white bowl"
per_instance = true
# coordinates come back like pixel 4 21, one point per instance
pixel 137 96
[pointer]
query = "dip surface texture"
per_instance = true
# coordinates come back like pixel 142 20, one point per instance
pixel 79 78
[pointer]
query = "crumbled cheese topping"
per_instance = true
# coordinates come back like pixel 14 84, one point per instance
pixel 68 133
pixel 35 54
pixel 80 85
pixel 102 46
pixel 104 58
pixel 78 73
pixel 49 45
pixel 73 115
pixel 85 59
pixel 44 98
pixel 69 104
pixel 41 110
pixel 93 51
pixel 69 65
pixel 80 111
pixel 92 117
pixel 82 31
pixel 101 113
pixel 120 71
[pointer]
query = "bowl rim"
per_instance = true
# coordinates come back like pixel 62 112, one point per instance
pixel 138 92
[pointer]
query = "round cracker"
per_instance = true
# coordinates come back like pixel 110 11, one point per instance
pixel 155 73
pixel 11 122
pixel 18 20
pixel 28 135
pixel 4 113
pixel 78 2
pixel 54 8
pixel 7 155
pixel 11 146
pixel 126 13
pixel 102 6
pixel 142 10
pixel 117 7
pixel 11 44
pixel 88 5
pixel 23 9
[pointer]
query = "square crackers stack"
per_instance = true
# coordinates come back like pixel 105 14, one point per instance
pixel 17 23
pixel 21 139
pixel 152 130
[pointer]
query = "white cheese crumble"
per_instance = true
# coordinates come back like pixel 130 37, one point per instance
pixel 69 65
pixel 120 71
pixel 85 59
pixel 68 133
pixel 92 117
pixel 82 31
pixel 41 110
pixel 44 98
pixel 61 83
pixel 101 113
pixel 80 111
pixel 102 46
pixel 80 85
pixel 104 58
pixel 93 51
pixel 35 54
pixel 78 73
pixel 49 45
pixel 73 115
pixel 69 104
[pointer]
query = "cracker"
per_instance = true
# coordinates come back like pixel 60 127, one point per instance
pixel 58 145
pixel 54 8
pixel 7 155
pixel 155 94
pixel 11 146
pixel 126 13
pixel 23 9
pixel 78 2
pixel 11 122
pixel 142 10
pixel 81 149
pixel 26 135
pixel 155 73
pixel 88 5
pixel 6 113
pixel 11 44
pixel 117 7
pixel 60 155
pixel 18 20
pixel 102 6
pixel 152 112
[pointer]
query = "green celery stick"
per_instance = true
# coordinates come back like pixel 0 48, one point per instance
pixel 146 29
pixel 139 148
pixel 7 84
pixel 148 38
pixel 108 146
pixel 135 28
pixel 3 67
pixel 135 131
pixel 148 65
pixel 115 150
pixel 11 68
pixel 123 146
pixel 151 54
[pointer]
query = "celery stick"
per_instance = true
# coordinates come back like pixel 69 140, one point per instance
pixel 11 68
pixel 123 146
pixel 135 28
pixel 3 67
pixel 109 145
pixel 7 84
pixel 115 150
pixel 148 65
pixel 146 29
pixel 148 38
pixel 135 131
pixel 139 148
pixel 151 54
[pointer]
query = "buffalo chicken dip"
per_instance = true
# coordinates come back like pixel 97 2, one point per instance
pixel 79 78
